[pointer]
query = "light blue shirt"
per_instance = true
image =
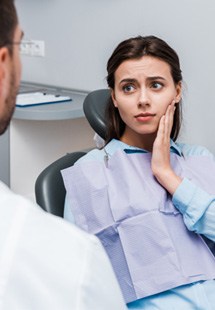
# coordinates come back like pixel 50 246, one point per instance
pixel 196 205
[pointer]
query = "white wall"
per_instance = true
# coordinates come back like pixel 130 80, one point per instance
pixel 36 144
pixel 80 36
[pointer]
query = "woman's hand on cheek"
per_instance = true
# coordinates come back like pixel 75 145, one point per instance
pixel 160 163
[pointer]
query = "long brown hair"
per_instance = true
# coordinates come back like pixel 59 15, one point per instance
pixel 135 48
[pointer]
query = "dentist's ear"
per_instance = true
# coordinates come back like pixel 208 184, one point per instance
pixel 5 66
pixel 113 98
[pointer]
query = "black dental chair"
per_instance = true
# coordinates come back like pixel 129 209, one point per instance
pixel 49 188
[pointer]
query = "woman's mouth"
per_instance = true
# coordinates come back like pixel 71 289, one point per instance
pixel 144 117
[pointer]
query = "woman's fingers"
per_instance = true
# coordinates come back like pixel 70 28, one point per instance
pixel 165 125
pixel 169 116
pixel 160 164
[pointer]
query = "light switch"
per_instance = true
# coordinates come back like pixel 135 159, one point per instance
pixel 33 48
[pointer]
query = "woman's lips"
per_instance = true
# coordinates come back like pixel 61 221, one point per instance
pixel 144 117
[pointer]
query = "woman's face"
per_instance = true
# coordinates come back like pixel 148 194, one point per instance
pixel 143 90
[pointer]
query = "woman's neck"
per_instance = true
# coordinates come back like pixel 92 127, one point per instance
pixel 141 141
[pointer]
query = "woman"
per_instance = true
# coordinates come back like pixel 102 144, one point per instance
pixel 145 196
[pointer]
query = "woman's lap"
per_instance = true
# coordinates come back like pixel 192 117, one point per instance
pixel 196 296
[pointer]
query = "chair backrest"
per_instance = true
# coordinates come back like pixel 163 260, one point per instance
pixel 49 188
pixel 94 109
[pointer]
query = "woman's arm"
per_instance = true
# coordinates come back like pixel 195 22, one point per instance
pixel 196 205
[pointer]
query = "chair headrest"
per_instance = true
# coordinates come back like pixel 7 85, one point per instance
pixel 94 109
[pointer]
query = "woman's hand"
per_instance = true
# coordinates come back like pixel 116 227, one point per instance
pixel 160 163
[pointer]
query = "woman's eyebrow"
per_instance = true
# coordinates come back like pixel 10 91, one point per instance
pixel 150 78
pixel 156 77
pixel 128 80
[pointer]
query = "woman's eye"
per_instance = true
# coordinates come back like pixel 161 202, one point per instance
pixel 156 85
pixel 128 88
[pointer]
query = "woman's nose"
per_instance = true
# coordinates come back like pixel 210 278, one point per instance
pixel 143 98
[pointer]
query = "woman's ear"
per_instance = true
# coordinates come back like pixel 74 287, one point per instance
pixel 113 98
pixel 178 92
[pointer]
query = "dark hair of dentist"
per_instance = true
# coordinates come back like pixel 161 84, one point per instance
pixel 8 23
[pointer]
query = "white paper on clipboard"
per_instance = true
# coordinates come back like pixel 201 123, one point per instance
pixel 39 98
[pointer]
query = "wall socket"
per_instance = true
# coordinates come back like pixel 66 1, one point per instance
pixel 33 48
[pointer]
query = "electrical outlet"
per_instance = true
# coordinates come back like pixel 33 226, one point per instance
pixel 24 47
pixel 38 48
pixel 33 48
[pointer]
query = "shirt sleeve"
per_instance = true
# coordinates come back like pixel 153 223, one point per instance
pixel 56 267
pixel 197 208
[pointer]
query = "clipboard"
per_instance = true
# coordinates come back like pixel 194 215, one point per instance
pixel 39 98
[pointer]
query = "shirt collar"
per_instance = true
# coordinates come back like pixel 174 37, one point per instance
pixel 115 144
pixel 174 148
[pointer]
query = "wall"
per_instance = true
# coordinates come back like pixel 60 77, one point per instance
pixel 36 144
pixel 80 36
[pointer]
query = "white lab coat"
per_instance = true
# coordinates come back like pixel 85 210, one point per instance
pixel 38 270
